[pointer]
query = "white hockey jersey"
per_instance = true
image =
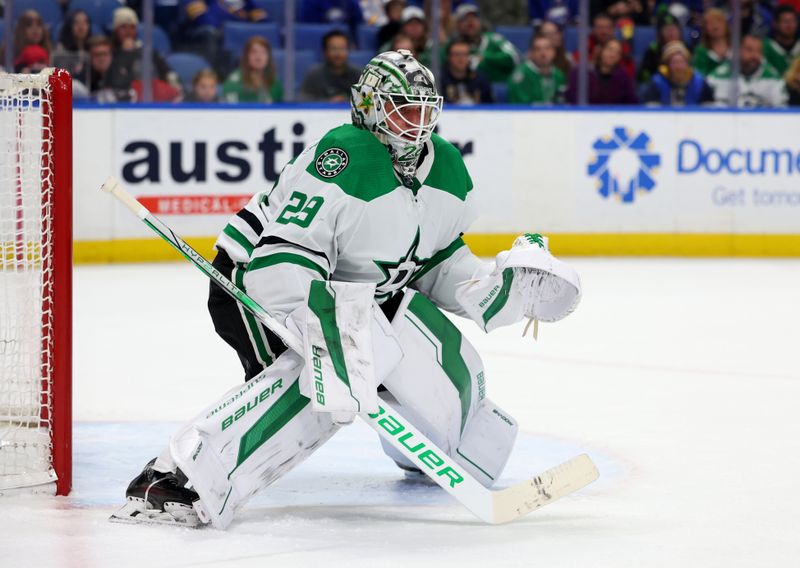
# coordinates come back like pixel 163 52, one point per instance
pixel 339 212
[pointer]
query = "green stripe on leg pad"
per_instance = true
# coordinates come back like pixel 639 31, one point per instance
pixel 452 362
pixel 275 418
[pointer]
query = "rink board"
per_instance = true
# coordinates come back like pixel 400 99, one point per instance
pixel 611 182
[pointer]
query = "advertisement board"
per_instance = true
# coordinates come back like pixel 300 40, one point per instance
pixel 584 177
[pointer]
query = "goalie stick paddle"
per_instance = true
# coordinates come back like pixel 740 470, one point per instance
pixel 491 506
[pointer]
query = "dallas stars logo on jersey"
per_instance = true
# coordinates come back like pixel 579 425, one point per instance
pixel 331 162
pixel 398 274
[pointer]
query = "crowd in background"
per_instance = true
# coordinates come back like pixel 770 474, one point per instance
pixel 688 61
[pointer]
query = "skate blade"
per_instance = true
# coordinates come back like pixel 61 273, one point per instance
pixel 134 512
pixel 416 477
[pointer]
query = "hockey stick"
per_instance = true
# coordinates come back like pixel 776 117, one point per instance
pixel 491 506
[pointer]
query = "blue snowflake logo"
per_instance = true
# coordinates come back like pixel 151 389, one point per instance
pixel 624 165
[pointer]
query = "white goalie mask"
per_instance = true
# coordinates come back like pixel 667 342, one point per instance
pixel 396 99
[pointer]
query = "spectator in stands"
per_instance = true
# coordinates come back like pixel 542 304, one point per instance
pixel 563 60
pixel 402 41
pixel 394 15
pixel 330 81
pixel 759 84
pixel 374 12
pixel 414 26
pixel 634 10
pixel 715 42
pixel 102 86
pixel 676 83
pixel 560 12
pixel 126 68
pixel 792 78
pixel 447 23
pixel 756 19
pixel 213 13
pixel 255 80
pixel 498 12
pixel 72 51
pixel 346 12
pixel 668 29
pixel 205 87
pixel 32 60
pixel 75 32
pixel 460 84
pixel 784 46
pixel 204 28
pixel 30 30
pixel 609 84
pixel 793 3
pixel 492 54
pixel 537 80
pixel 602 33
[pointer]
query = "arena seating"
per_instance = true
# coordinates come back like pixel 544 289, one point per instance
pixel 186 65
pixel 161 42
pixel 236 34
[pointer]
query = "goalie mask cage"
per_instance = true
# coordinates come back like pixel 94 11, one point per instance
pixel 36 283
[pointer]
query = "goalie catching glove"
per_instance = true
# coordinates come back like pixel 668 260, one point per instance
pixel 526 281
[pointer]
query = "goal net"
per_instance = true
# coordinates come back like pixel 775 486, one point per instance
pixel 35 282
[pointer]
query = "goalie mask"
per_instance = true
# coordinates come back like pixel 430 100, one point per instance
pixel 396 99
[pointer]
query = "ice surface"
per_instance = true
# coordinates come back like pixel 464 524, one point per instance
pixel 679 377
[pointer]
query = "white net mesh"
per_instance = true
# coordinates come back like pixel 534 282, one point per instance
pixel 26 283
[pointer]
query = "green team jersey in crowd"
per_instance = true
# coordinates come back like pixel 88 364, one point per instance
pixel 764 88
pixel 235 91
pixel 528 85
pixel 780 57
pixel 706 60
pixel 338 211
pixel 497 56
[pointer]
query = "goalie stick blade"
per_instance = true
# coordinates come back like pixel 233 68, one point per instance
pixel 555 483
pixel 134 512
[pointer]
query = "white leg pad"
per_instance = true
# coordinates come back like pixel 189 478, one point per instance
pixel 248 439
pixel 440 388
pixel 486 442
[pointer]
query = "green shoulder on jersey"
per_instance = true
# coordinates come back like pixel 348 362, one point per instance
pixel 449 173
pixel 369 173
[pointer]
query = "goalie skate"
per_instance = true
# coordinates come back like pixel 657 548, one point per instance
pixel 160 499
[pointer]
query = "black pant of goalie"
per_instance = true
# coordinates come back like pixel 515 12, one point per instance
pixel 231 325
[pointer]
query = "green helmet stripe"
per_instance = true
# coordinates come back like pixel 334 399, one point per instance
pixel 397 74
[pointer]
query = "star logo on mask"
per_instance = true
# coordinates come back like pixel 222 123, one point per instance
pixel 398 274
pixel 366 102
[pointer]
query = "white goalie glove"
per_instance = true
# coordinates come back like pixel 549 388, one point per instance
pixel 526 281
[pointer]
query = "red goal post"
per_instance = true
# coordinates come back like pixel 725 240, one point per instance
pixel 36 283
